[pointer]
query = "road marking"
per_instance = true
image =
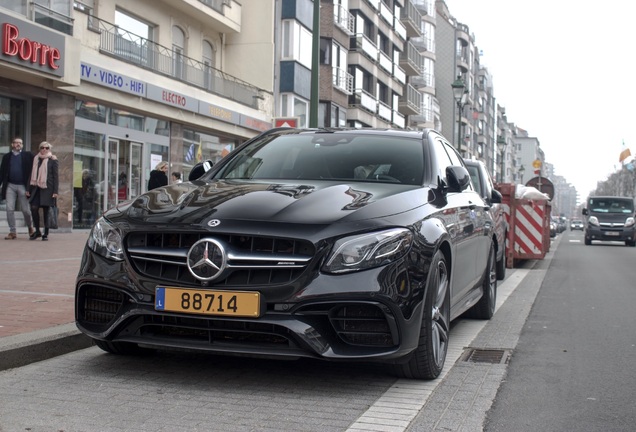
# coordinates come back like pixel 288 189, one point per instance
pixel 401 403
pixel 574 241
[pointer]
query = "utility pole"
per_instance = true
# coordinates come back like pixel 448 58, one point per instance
pixel 315 68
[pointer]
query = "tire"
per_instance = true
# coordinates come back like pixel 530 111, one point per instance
pixel 588 241
pixel 485 307
pixel 501 267
pixel 630 243
pixel 427 361
pixel 121 348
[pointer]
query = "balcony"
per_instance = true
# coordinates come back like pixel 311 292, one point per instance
pixel 221 15
pixel 398 119
pixel 411 60
pixel 386 14
pixel 399 74
pixel 384 111
pixel 342 80
pixel 385 61
pixel 412 20
pixel 51 19
pixel 343 19
pixel 363 99
pixel 146 54
pixel 411 101
pixel 364 44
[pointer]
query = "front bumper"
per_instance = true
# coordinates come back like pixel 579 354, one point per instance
pixel 357 316
pixel 593 232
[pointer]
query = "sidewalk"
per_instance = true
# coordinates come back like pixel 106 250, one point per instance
pixel 37 289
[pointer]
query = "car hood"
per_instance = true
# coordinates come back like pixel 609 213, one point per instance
pixel 318 202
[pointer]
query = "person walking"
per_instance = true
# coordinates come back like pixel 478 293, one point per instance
pixel 44 188
pixel 15 173
pixel 158 176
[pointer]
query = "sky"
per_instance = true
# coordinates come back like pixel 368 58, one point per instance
pixel 564 71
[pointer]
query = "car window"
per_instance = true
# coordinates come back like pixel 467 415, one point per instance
pixel 474 178
pixel 611 205
pixel 359 157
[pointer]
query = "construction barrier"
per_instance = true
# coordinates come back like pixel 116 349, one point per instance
pixel 528 226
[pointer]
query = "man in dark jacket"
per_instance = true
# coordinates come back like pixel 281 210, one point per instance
pixel 15 174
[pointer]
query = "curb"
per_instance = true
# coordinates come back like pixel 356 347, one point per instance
pixel 27 348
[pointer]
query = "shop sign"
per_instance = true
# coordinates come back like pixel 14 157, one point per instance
pixel 172 98
pixel 106 78
pixel 31 46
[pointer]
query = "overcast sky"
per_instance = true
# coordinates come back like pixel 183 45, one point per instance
pixel 564 71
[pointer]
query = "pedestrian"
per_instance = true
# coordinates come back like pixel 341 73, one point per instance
pixel 176 177
pixel 158 176
pixel 44 188
pixel 15 173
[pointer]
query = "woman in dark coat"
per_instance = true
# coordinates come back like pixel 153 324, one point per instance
pixel 44 187
pixel 158 176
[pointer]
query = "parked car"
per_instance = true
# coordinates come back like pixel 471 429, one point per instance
pixel 332 244
pixel 554 227
pixel 576 224
pixel 482 182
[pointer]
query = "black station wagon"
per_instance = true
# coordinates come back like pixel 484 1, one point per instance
pixel 347 244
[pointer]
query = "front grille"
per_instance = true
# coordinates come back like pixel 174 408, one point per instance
pixel 205 331
pixel 362 324
pixel 98 305
pixel 252 260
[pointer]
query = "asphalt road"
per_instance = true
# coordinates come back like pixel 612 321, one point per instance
pixel 573 368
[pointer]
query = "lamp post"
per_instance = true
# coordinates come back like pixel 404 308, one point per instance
pixel 501 145
pixel 521 171
pixel 460 93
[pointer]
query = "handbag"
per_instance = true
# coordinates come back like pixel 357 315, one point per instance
pixel 53 213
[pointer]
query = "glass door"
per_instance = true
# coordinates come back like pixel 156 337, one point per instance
pixel 129 170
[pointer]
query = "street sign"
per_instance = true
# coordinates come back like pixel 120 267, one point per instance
pixel 536 164
pixel 290 122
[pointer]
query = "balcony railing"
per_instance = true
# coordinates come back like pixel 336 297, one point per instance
pixel 412 19
pixel 342 80
pixel 217 5
pixel 362 42
pixel 411 101
pixel 366 100
pixel 52 19
pixel 144 53
pixel 411 60
pixel 344 19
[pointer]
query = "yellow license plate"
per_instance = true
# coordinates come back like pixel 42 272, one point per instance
pixel 208 302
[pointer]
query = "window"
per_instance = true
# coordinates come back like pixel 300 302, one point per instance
pixel 297 43
pixel 209 60
pixel 178 50
pixel 131 39
pixel 55 14
pixel 293 106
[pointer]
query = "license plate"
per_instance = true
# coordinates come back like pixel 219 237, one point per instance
pixel 612 233
pixel 207 302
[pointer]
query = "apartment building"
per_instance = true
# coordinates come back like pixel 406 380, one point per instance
pixel 118 86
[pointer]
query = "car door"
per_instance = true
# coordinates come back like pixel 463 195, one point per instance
pixel 462 206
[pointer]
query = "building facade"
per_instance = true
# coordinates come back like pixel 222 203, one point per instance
pixel 124 85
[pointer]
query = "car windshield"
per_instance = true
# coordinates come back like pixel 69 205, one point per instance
pixel 329 156
pixel 611 205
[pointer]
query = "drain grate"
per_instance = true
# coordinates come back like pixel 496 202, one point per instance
pixel 493 356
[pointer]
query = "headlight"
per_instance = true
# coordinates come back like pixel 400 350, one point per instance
pixel 105 240
pixel 593 220
pixel 366 251
pixel 629 222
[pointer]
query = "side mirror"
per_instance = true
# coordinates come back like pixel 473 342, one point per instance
pixel 584 211
pixel 496 197
pixel 199 169
pixel 458 178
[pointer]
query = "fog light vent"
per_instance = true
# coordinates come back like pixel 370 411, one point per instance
pixel 493 356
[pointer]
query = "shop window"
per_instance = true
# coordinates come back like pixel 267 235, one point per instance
pixel 90 110
pixel 126 119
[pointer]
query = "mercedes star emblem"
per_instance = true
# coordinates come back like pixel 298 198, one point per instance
pixel 206 259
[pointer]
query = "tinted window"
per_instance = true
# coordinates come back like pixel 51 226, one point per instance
pixel 359 157
pixel 611 205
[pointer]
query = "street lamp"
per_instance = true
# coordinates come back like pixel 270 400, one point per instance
pixel 460 93
pixel 521 171
pixel 501 145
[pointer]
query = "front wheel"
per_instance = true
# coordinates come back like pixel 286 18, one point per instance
pixel 427 361
pixel 588 241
